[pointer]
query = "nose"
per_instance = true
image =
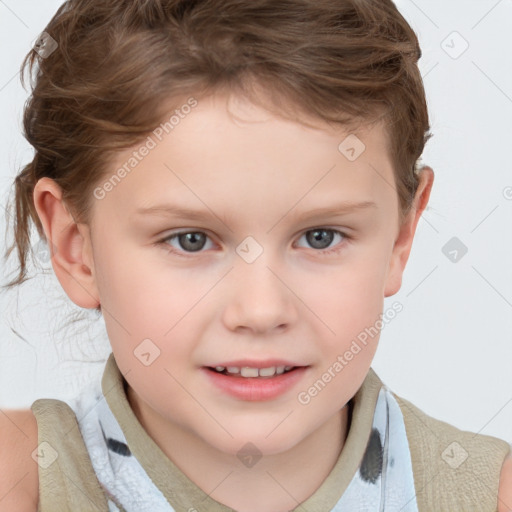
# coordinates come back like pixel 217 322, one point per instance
pixel 260 300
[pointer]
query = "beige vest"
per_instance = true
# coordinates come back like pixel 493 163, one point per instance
pixel 70 483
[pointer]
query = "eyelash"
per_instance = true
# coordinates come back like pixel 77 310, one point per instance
pixel 323 252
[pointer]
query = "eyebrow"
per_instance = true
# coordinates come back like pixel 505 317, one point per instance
pixel 169 210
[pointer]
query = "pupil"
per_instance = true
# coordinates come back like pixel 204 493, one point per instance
pixel 317 236
pixel 188 240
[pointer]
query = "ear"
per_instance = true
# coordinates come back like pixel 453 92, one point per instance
pixel 69 244
pixel 403 242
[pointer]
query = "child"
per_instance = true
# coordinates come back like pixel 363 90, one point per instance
pixel 239 378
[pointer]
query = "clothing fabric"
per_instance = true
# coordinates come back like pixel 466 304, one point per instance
pixel 106 460
pixel 384 477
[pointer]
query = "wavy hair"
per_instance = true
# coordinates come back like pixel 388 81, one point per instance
pixel 118 66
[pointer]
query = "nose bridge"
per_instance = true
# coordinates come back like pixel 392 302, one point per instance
pixel 258 280
pixel 260 300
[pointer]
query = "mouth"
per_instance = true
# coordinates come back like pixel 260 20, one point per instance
pixel 247 372
pixel 258 382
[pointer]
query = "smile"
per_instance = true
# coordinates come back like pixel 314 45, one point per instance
pixel 247 371
pixel 255 384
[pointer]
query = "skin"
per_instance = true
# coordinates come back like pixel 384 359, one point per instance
pixel 505 487
pixel 253 173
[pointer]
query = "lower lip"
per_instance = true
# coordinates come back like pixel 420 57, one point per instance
pixel 256 388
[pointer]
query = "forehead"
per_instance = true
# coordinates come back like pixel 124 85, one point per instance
pixel 231 153
pixel 231 118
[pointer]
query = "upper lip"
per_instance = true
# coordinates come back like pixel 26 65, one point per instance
pixel 267 363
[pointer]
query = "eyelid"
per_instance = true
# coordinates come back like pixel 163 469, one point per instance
pixel 344 232
pixel 346 237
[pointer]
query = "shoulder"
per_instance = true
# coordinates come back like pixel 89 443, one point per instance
pixel 505 489
pixel 453 466
pixel 19 482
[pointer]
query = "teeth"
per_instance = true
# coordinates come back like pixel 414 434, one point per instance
pixel 254 372
pixel 267 372
pixel 249 372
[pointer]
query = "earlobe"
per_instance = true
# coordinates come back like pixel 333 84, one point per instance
pixel 69 244
pixel 403 243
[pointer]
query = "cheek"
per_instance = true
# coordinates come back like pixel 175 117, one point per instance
pixel 147 309
pixel 347 297
pixel 133 287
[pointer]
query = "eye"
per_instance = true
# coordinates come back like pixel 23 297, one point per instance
pixel 188 241
pixel 320 238
pixel 195 241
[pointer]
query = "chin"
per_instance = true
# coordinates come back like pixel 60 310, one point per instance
pixel 257 442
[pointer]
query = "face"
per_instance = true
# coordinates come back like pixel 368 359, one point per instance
pixel 258 276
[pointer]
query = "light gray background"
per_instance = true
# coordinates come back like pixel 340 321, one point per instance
pixel 450 350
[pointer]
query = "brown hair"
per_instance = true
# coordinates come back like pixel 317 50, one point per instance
pixel 119 63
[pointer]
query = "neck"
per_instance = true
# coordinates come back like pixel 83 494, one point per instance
pixel 278 482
